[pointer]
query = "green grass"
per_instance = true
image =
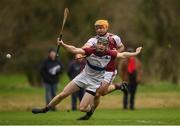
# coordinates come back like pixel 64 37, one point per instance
pixel 10 80
pixel 166 116
pixel 18 84
pixel 16 93
pixel 159 87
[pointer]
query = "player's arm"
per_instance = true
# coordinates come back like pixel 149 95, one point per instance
pixel 129 54
pixel 86 45
pixel 71 48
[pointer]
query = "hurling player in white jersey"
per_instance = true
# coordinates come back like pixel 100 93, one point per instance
pixel 101 27
pixel 98 59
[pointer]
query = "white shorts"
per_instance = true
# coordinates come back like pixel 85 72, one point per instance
pixel 87 82
pixel 109 76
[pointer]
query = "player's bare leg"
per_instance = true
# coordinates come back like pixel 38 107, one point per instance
pixel 69 89
pixel 105 89
pixel 112 87
pixel 86 102
pixel 86 105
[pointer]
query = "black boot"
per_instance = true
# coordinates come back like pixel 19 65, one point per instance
pixel 88 115
pixel 123 87
pixel 40 110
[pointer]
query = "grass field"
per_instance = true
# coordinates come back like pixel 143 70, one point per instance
pixel 157 104
pixel 166 116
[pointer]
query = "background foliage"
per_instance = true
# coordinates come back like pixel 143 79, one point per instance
pixel 29 28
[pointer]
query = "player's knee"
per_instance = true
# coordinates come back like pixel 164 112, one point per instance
pixel 82 108
pixel 101 92
pixel 97 95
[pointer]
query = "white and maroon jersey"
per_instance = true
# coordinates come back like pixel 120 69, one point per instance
pixel 114 43
pixel 98 63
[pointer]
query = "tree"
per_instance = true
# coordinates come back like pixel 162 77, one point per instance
pixel 159 25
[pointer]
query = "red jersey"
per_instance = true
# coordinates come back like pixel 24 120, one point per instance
pixel 114 43
pixel 100 61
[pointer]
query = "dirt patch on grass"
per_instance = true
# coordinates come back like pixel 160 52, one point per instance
pixel 27 103
pixel 143 100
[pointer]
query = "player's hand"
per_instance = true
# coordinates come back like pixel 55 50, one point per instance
pixel 59 42
pixel 79 56
pixel 138 50
pixel 114 49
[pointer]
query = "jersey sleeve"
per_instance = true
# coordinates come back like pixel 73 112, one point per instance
pixel 117 40
pixel 89 51
pixel 113 53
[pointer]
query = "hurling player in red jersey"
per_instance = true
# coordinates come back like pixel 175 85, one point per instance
pixel 91 77
pixel 101 27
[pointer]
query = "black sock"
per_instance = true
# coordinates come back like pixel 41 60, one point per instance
pixel 91 111
pixel 46 109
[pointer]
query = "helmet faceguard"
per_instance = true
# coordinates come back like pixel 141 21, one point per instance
pixel 102 41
